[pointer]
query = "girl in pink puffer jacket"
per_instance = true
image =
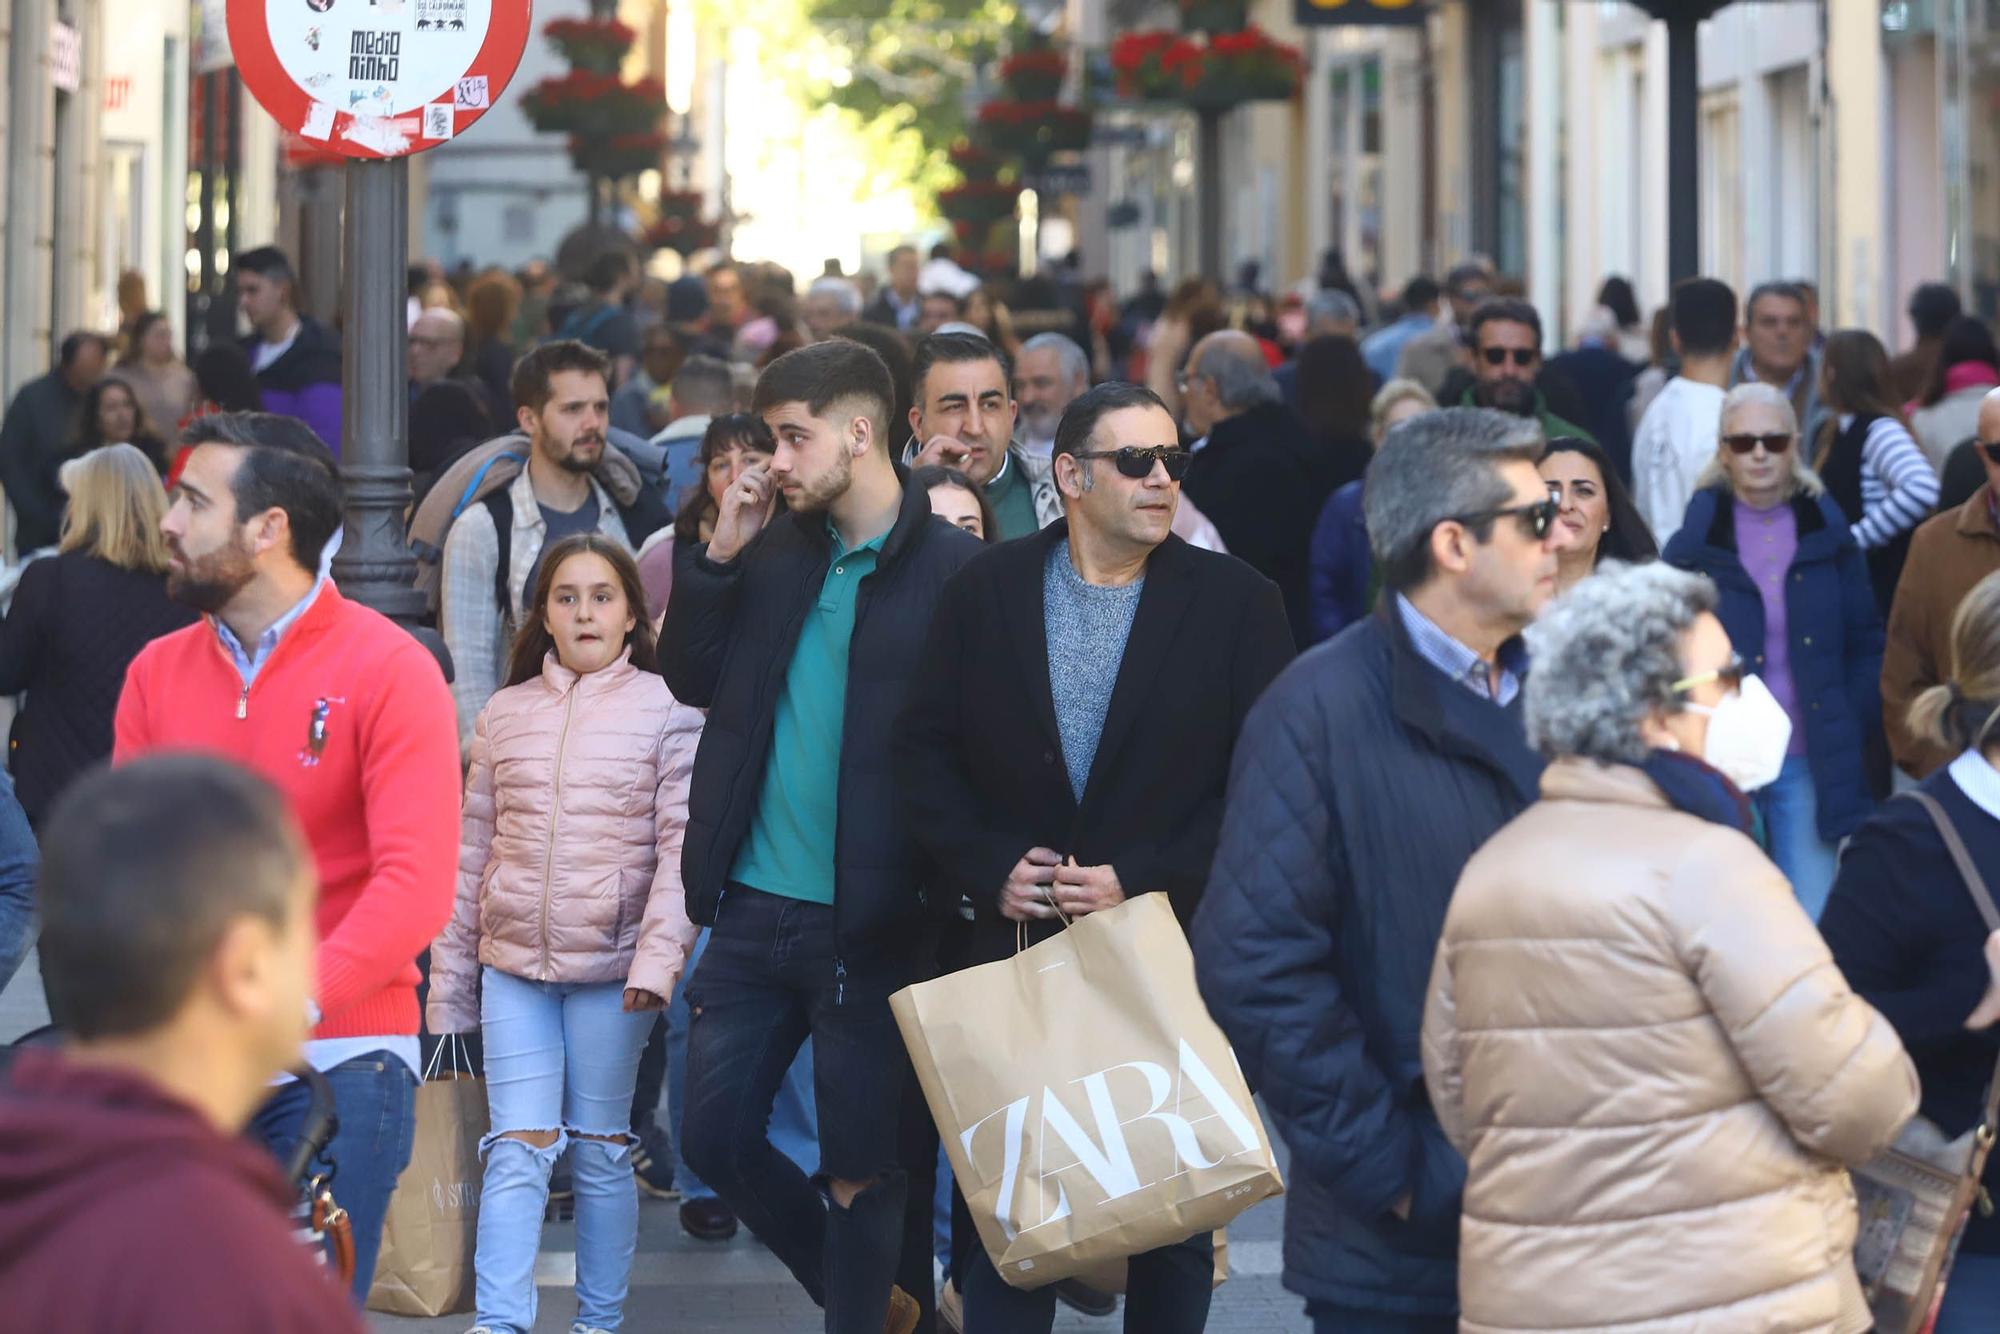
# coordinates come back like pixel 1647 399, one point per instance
pixel 570 928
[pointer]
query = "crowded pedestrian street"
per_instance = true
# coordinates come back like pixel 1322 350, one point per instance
pixel 1000 667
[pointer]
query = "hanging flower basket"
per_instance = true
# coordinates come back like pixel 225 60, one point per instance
pixel 1247 66
pixel 599 45
pixel 1033 130
pixel 593 105
pixel 982 202
pixel 618 154
pixel 988 263
pixel 973 162
pixel 681 225
pixel 1034 76
pixel 1156 66
pixel 1214 15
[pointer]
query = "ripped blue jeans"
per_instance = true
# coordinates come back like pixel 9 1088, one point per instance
pixel 560 1057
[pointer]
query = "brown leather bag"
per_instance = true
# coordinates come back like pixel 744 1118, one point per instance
pixel 335 1231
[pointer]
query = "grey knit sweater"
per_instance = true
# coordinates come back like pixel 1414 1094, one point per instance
pixel 1086 626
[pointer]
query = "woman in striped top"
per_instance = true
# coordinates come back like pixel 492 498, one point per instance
pixel 1872 467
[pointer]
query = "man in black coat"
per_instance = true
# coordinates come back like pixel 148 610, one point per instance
pixel 36 435
pixel 1257 473
pixel 1067 742
pixel 1366 777
pixel 799 633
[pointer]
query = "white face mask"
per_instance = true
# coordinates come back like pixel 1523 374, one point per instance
pixel 1748 733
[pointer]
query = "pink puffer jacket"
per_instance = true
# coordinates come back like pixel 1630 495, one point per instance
pixel 569 864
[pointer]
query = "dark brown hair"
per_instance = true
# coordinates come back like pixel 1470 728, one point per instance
pixel 1856 380
pixel 533 642
pixel 532 373
pixel 731 430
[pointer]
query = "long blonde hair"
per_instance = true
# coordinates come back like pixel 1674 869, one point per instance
pixel 115 506
pixel 1962 712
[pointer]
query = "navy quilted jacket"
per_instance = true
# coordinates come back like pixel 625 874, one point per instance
pixel 1363 781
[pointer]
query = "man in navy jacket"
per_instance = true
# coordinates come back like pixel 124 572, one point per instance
pixel 1366 776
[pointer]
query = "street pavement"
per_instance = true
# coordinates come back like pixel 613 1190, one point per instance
pixel 683 1286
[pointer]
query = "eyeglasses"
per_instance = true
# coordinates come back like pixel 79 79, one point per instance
pixel 1775 442
pixel 1136 462
pixel 1535 517
pixel 1730 674
pixel 1523 356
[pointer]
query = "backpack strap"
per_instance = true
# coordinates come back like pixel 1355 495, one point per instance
pixel 500 505
pixel 1975 884
pixel 478 480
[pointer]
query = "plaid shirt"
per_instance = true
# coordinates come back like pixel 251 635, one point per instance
pixel 1457 661
pixel 471 624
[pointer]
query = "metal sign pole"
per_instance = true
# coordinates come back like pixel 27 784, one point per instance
pixel 374 566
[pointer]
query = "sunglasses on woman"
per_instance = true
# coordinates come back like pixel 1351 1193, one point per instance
pixel 1774 442
pixel 1535 518
pixel 1136 462
pixel 1730 674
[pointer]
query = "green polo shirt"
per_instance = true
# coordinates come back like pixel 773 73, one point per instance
pixel 789 850
pixel 1013 501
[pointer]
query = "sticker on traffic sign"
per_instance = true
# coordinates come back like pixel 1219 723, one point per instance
pixel 377 66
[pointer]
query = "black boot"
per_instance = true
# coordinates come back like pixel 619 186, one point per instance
pixel 864 1244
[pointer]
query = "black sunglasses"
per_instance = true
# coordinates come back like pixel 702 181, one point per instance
pixel 1135 462
pixel 1990 448
pixel 1776 442
pixel 1523 356
pixel 1535 517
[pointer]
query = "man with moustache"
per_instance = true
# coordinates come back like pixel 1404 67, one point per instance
pixel 963 417
pixel 562 402
pixel 348 716
pixel 800 632
pixel 1506 337
pixel 1068 739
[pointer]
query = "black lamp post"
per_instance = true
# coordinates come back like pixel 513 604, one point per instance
pixel 1682 18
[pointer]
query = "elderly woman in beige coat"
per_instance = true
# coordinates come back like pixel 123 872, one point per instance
pixel 1634 1033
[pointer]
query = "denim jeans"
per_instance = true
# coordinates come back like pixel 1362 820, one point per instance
pixel 1971 1296
pixel 1790 808
pixel 375 1096
pixel 771 977
pixel 19 857
pixel 794 1129
pixel 1328 1319
pixel 560 1057
pixel 1167 1290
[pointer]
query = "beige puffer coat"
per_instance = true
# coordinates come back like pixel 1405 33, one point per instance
pixel 569 865
pixel 1655 1072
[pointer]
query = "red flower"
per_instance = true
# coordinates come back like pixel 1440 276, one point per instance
pixel 1049 64
pixel 608 32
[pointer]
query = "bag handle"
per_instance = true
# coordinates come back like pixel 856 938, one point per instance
pixel 461 1063
pixel 1021 928
pixel 1975 884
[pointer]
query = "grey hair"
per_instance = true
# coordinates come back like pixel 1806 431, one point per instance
pixel 1606 654
pixel 1328 305
pixel 704 384
pixel 1390 395
pixel 1435 467
pixel 1075 365
pixel 841 290
pixel 1804 479
pixel 1242 377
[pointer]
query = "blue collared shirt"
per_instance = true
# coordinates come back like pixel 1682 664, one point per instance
pixel 249 664
pixel 1457 661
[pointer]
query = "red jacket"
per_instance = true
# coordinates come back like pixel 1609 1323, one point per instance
pixel 123 1209
pixel 375 786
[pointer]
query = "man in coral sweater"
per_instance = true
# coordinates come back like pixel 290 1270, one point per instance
pixel 349 717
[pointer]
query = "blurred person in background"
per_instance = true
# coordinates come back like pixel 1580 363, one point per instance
pixel 1778 338
pixel 1794 596
pixel 898 304
pixel 1336 396
pixel 1966 366
pixel 78 618
pixel 1384 348
pixel 1863 452
pixel 957 500
pixel 164 383
pixel 36 433
pixel 296 358
pixel 1342 571
pixel 492 305
pixel 831 303
pixel 224 382
pixel 111 415
pixel 1933 308
pixel 1596 1192
pixel 730 443
pixel 1675 438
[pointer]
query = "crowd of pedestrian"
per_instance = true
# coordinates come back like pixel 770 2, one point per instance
pixel 1516 735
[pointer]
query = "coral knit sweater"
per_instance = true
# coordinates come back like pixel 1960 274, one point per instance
pixel 376 792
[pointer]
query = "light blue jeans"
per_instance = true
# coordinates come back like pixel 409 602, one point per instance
pixel 1790 809
pixel 794 1129
pixel 561 1057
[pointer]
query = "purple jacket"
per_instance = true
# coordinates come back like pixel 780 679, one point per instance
pixel 304 382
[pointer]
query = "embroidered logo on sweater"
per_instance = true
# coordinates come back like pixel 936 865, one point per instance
pixel 316 729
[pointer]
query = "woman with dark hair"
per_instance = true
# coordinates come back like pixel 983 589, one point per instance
pixel 224 382
pixel 957 501
pixel 1336 394
pixel 163 382
pixel 1597 511
pixel 1968 365
pixel 570 927
pixel 733 442
pixel 1872 468
pixel 1634 340
pixel 111 415
pixel 492 304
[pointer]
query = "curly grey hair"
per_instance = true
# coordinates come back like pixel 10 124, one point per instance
pixel 1605 654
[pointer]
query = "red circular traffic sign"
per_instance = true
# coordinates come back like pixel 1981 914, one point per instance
pixel 377 78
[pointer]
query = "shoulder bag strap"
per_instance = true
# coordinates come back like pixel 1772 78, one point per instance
pixel 1975 884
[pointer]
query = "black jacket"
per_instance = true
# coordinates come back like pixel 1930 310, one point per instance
pixel 726 645
pixel 979 756
pixel 1261 480
pixel 1904 929
pixel 76 623
pixel 1364 781
pixel 34 440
